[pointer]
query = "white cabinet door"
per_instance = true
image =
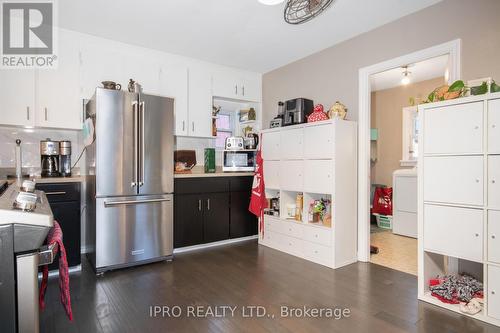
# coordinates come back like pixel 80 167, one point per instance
pixel 318 235
pixel 200 103
pixel 271 145
pixel 318 142
pixel 493 287
pixel 318 176
pixel 494 181
pixel 225 85
pixel 251 88
pixel 292 175
pixel 291 144
pixel 17 97
pixel 272 174
pixel 318 253
pixel 405 194
pixel 58 90
pixel 404 223
pixel 454 179
pixel 174 83
pixel 454 129
pixel 494 126
pixel 494 236
pixel 457 232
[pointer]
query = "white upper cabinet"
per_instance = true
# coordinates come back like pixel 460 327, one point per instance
pixel 456 129
pixel 58 90
pixel 234 85
pixel 494 126
pixel 271 145
pixel 318 142
pixel 174 83
pixel 17 97
pixel 291 144
pixel 200 102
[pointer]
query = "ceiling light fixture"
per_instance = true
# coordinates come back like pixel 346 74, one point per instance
pixel 301 11
pixel 270 2
pixel 406 75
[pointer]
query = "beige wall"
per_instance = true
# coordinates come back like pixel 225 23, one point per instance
pixel 332 74
pixel 387 116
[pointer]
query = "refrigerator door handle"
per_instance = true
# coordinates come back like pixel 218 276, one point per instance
pixel 133 202
pixel 136 145
pixel 142 106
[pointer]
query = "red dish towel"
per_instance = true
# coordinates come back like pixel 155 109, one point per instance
pixel 258 199
pixel 55 236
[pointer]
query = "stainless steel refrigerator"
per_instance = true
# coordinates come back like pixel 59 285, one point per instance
pixel 130 186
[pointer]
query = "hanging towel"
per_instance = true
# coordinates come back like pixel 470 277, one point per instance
pixel 258 199
pixel 55 236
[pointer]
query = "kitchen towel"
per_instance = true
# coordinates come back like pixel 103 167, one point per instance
pixel 258 199
pixel 55 236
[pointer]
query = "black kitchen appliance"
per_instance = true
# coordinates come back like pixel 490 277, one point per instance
pixel 49 152
pixel 297 110
pixel 65 158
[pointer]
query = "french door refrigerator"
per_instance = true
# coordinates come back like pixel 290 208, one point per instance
pixel 130 184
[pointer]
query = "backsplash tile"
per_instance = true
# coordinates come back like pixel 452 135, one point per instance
pixel 199 145
pixel 30 145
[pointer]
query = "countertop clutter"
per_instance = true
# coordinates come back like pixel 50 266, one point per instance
pixel 198 172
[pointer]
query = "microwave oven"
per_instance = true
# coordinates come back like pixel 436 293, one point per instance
pixel 239 160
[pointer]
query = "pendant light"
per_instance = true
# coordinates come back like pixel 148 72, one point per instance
pixel 406 75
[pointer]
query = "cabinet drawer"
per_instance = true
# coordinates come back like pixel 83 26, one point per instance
pixel 318 176
pixel 318 142
pixel 291 175
pixel 293 229
pixel 454 179
pixel 493 292
pixel 201 185
pixel 319 254
pixel 454 231
pixel 241 184
pixel 454 129
pixel 271 146
pixel 273 239
pixel 293 246
pixel 318 235
pixel 271 224
pixel 58 192
pixel 494 126
pixel 272 174
pixel 494 236
pixel 291 144
pixel 494 181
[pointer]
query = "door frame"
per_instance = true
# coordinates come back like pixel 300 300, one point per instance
pixel 451 48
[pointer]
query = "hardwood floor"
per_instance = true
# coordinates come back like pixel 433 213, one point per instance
pixel 243 274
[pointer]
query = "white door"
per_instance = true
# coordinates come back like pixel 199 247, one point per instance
pixel 453 231
pixel 272 174
pixel 271 145
pixel 494 126
pixel 174 83
pixel 200 103
pixel 318 176
pixel 58 90
pixel 454 179
pixel 291 144
pixel 493 296
pixel 251 88
pixel 454 129
pixel 225 84
pixel 494 181
pixel 17 96
pixel 494 236
pixel 292 175
pixel 318 141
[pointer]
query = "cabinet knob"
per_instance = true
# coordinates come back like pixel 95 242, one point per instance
pixel 493 126
pixel 493 236
pixel 316 235
pixel 316 251
pixel 493 292
pixel 477 180
pixel 476 127
pixel 493 181
pixel 477 235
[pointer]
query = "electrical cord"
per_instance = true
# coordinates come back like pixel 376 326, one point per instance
pixel 79 157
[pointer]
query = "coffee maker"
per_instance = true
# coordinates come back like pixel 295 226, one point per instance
pixel 49 152
pixel 65 157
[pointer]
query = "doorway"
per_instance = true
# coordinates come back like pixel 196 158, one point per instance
pixel 450 49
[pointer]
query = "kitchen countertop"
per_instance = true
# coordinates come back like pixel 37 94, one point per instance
pixel 46 180
pixel 198 171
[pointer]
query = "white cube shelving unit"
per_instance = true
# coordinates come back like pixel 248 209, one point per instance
pixel 318 160
pixel 459 196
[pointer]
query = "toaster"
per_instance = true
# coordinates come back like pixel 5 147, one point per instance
pixel 235 143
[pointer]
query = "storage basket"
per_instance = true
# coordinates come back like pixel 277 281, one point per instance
pixel 384 221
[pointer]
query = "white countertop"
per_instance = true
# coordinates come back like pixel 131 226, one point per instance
pixel 41 216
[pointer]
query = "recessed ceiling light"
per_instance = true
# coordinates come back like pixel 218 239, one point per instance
pixel 406 75
pixel 271 2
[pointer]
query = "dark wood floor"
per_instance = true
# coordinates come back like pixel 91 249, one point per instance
pixel 380 299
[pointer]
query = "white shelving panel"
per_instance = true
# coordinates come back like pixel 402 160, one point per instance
pixel 459 195
pixel 318 160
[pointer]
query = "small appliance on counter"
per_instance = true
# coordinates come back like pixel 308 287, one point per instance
pixel 251 141
pixel 49 151
pixel 236 157
pixel 19 162
pixel 65 158
pixel 278 120
pixel 297 110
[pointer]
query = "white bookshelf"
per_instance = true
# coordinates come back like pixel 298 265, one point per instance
pixel 318 160
pixel 459 197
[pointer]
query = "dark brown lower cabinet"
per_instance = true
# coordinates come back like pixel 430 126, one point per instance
pixel 212 209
